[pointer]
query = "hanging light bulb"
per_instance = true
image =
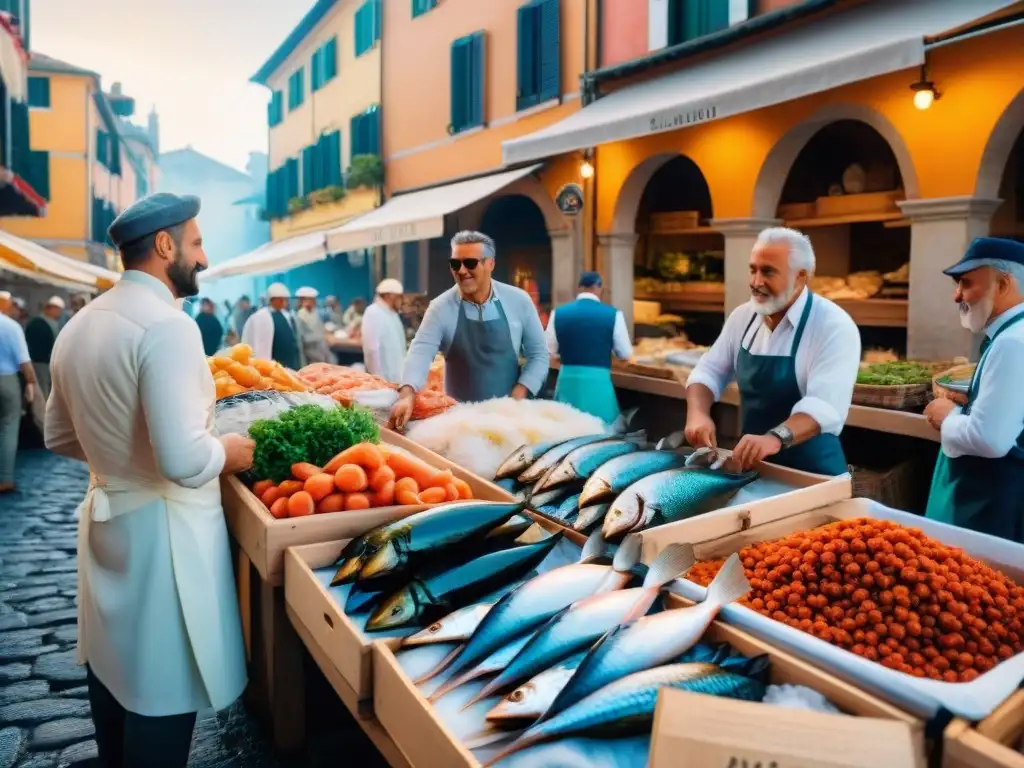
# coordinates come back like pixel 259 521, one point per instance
pixel 924 91
pixel 587 169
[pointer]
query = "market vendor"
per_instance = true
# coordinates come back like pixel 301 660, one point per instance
pixel 383 333
pixel 271 331
pixel 979 475
pixel 588 333
pixel 795 357
pixel 310 327
pixel 482 327
pixel 158 621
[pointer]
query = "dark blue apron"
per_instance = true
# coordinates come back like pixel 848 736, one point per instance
pixel 481 363
pixel 285 347
pixel 768 392
pixel 985 495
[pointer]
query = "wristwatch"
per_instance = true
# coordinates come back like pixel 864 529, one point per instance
pixel 784 433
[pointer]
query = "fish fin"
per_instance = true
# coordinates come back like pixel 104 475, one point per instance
pixel 639 436
pixel 441 667
pixel 595 548
pixel 729 584
pixel 489 736
pixel 482 694
pixel 673 562
pixel 671 442
pixel 451 684
pixel 628 553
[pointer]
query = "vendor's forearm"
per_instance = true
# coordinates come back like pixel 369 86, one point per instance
pixel 28 372
pixel 699 399
pixel 803 427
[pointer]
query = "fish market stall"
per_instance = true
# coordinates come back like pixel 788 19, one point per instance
pixel 996 742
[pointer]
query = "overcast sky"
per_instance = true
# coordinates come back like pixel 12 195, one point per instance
pixel 191 58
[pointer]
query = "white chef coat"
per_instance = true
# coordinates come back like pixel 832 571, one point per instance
pixel 258 332
pixel 383 341
pixel 133 396
pixel 996 419
pixel 622 346
pixel 312 337
pixel 827 361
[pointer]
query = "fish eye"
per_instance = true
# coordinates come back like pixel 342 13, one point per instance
pixel 395 610
pixel 516 695
pixel 436 627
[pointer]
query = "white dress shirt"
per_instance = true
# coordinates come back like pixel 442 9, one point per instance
pixel 622 347
pixel 826 362
pixel 258 332
pixel 383 342
pixel 996 419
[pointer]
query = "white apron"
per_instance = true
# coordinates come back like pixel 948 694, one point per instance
pixel 158 616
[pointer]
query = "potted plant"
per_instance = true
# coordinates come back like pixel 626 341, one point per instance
pixel 366 171
pixel 297 204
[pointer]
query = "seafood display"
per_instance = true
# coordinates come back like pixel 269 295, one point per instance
pixel 342 384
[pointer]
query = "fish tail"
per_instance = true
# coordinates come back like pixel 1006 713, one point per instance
pixel 482 694
pixel 525 740
pixel 671 442
pixel 673 562
pixel 628 553
pixel 489 736
pixel 730 584
pixel 595 547
pixel 445 663
pixel 452 684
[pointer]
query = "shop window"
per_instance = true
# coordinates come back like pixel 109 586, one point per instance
pixel 419 7
pixel 411 267
pixel 39 92
pixel 467 83
pixel 296 89
pixel 275 109
pixel 691 19
pixel 539 70
pixel 367 26
pixel 364 132
pixel 324 65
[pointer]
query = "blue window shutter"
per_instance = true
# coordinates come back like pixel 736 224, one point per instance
pixel 526 58
pixel 477 76
pixel 716 15
pixel 378 20
pixel 355 129
pixel 39 172
pixel 373 120
pixel 334 177
pixel 39 92
pixel 549 61
pixel 460 84
pixel 330 59
pixel 308 163
pixel 316 70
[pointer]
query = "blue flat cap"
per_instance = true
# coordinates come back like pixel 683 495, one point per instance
pixel 161 210
pixel 590 280
pixel 984 251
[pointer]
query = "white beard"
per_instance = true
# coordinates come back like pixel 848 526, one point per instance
pixel 974 317
pixel 775 303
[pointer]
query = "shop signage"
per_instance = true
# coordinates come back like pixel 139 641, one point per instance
pixel 394 233
pixel 570 199
pixel 683 119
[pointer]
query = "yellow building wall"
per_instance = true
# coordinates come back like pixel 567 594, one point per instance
pixel 977 80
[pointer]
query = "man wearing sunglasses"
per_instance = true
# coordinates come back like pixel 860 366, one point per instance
pixel 482 327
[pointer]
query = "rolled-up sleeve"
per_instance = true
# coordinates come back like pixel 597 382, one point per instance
pixel 425 345
pixel 550 336
pixel 996 419
pixel 717 367
pixel 831 377
pixel 171 372
pixel 622 346
pixel 538 361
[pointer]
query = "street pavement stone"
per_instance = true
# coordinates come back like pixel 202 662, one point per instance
pixel 44 707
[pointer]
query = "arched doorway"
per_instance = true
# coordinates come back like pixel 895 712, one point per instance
pixel 842 191
pixel 678 263
pixel 1008 220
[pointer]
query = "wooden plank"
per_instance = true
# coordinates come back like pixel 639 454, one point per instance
pixel 281 659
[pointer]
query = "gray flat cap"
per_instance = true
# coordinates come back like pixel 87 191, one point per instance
pixel 161 210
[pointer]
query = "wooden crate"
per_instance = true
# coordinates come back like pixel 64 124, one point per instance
pixel 993 744
pixel 850 205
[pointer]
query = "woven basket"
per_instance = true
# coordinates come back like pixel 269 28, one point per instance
pixel 893 487
pixel 956 372
pixel 897 397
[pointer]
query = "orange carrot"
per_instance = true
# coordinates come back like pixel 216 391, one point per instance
pixel 465 492
pixel 300 504
pixel 319 486
pixel 440 479
pixel 262 486
pixel 406 498
pixel 333 503
pixel 382 477
pixel 366 455
pixel 304 470
pixel 356 501
pixel 451 492
pixel 384 496
pixel 350 478
pixel 409 466
pixel 289 487
pixel 406 484
pixel 433 496
pixel 279 508
pixel 272 494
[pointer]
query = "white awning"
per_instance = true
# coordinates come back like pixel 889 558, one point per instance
pixel 34 257
pixel 863 42
pixel 417 215
pixel 13 59
pixel 269 258
pixel 6 268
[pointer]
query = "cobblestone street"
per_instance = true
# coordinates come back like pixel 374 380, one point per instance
pixel 44 708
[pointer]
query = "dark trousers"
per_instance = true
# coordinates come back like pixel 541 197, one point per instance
pixel 127 740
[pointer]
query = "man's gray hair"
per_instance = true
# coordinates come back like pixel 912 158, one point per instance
pixel 469 237
pixel 801 252
pixel 1011 268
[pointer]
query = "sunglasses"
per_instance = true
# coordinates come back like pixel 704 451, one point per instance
pixel 469 264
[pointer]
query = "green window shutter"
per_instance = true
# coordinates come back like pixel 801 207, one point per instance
pixel 308 164
pixel 39 92
pixel 275 109
pixel 115 154
pixel 358 26
pixel 316 70
pixel 461 63
pixel 477 74
pixel 292 178
pixel 526 69
pixel 39 176
pixel 332 153
pixel 296 86
pixel 549 59
pixel 716 15
pixel 378 20
pixel 355 128
pixel 103 148
pixel 330 60
pixel 373 131
pixel 20 160
pixel 417 8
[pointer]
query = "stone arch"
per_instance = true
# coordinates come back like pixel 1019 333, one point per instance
pixel 472 215
pixel 779 161
pixel 627 204
pixel 997 149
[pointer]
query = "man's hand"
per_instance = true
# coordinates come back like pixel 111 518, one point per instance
pixel 237 453
pixel 519 392
pixel 30 393
pixel 754 448
pixel 937 410
pixel 700 431
pixel 401 411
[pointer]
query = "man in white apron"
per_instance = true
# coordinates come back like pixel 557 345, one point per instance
pixel 158 622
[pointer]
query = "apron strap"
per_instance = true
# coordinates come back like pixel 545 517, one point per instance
pixel 803 324
pixel 746 330
pixel 973 389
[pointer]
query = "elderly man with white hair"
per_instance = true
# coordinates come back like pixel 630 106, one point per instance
pixel 310 325
pixel 271 331
pixel 383 333
pixel 979 475
pixel 794 356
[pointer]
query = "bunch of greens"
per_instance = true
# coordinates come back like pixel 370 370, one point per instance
pixel 307 433
pixel 895 374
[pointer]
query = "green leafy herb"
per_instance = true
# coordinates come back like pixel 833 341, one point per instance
pixel 307 433
pixel 895 374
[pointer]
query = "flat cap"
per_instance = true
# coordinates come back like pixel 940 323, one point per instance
pixel 984 251
pixel 161 210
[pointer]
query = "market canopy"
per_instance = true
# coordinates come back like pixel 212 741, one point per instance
pixel 32 257
pixel 418 215
pixel 272 257
pixel 6 268
pixel 866 41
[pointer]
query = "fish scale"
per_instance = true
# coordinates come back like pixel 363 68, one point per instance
pixel 616 475
pixel 550 458
pixel 581 462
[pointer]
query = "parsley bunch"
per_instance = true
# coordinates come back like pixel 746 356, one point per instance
pixel 307 433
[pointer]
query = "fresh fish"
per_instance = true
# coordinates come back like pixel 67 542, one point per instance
pixel 552 497
pixel 584 622
pixel 456 627
pixel 628 704
pixel 590 516
pixel 707 458
pixel 416 661
pixel 674 494
pixel 442 589
pixel 581 462
pixel 404 543
pixel 548 510
pixel 496 662
pixel 510 484
pixel 522 457
pixel 361 600
pixel 652 640
pixel 569 508
pixel 536 601
pixel 672 442
pixel 534 697
pixel 584 753
pixel 511 528
pixel 624 422
pixel 616 475
pixel 552 457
